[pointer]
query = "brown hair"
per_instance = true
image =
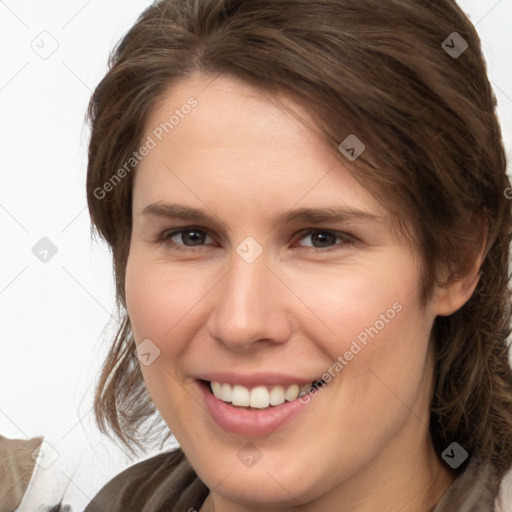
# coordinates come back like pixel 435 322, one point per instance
pixel 434 157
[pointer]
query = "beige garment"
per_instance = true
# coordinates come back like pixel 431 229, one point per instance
pixel 168 483
pixel 17 463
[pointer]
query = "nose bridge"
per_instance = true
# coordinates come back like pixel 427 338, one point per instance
pixel 249 305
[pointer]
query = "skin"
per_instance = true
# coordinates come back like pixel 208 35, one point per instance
pixel 363 443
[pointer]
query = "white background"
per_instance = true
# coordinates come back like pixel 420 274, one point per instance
pixel 53 315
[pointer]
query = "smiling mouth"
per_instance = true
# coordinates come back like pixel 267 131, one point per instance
pixel 259 397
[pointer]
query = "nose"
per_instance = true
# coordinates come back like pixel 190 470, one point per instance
pixel 251 305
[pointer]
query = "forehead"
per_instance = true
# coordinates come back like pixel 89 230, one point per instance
pixel 221 137
pixel 228 114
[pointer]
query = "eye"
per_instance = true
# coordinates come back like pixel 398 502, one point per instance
pixel 188 237
pixel 325 241
pixel 321 241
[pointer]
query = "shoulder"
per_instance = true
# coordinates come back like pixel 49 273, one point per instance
pixel 165 482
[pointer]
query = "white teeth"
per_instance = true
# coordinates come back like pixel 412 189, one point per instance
pixel 216 388
pixel 240 395
pixel 276 395
pixel 259 397
pixel 226 393
pixel 292 392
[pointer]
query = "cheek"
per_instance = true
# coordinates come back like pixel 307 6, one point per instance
pixel 374 331
pixel 157 301
pixel 388 372
pixel 363 304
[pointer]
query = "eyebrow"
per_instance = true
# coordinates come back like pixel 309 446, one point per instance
pixel 305 215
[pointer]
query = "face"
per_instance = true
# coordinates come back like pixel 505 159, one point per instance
pixel 258 262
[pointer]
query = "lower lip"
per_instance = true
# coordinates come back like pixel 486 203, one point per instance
pixel 250 422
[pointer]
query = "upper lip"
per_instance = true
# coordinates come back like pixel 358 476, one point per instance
pixel 254 379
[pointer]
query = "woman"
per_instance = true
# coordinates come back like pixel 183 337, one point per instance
pixel 333 333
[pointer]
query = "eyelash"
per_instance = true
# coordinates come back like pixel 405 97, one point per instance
pixel 345 237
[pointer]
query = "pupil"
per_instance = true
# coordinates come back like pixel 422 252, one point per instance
pixel 324 238
pixel 197 237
